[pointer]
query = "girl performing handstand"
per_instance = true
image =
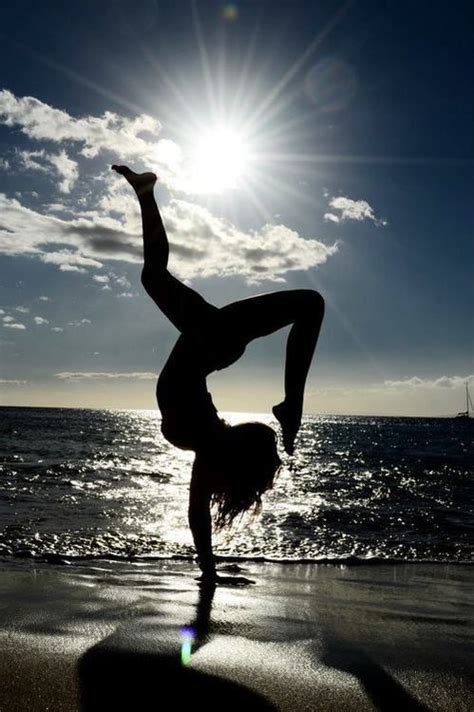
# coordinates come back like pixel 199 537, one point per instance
pixel 234 465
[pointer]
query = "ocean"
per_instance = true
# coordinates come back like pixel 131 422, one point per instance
pixel 84 484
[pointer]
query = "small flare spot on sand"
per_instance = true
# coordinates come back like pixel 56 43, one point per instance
pixel 187 637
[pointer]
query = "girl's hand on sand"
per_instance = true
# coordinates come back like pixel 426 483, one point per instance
pixel 234 581
pixel 231 569
pixel 224 581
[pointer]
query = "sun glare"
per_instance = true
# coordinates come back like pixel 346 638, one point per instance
pixel 220 160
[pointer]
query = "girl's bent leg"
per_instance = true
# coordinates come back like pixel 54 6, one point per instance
pixel 262 315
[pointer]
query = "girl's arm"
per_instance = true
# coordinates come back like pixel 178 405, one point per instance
pixel 199 515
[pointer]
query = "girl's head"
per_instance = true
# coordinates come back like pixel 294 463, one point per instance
pixel 246 466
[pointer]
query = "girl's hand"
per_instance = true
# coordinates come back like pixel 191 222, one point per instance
pixel 214 580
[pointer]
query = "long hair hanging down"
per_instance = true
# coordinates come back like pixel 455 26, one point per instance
pixel 250 463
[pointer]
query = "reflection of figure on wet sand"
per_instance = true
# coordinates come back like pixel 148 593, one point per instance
pixel 233 465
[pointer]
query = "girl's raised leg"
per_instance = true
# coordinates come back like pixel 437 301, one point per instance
pixel 182 305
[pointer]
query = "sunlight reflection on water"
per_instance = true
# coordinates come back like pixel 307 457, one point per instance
pixel 107 483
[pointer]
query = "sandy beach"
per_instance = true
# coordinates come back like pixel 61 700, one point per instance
pixel 303 637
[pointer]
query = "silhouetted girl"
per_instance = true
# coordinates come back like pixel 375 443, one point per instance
pixel 234 465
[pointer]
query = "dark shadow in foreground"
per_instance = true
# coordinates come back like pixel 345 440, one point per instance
pixel 123 680
pixel 383 690
pixel 111 677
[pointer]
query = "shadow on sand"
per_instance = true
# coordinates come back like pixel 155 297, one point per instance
pixel 125 680
pixel 144 672
pixel 114 677
pixel 385 693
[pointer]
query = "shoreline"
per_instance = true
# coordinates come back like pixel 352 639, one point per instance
pixel 306 636
pixel 222 559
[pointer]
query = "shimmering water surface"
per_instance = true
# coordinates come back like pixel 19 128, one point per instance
pixel 83 483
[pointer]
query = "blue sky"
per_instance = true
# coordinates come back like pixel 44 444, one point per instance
pixel 325 145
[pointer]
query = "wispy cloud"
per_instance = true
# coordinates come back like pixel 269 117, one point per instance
pixel 12 382
pixel 29 159
pixel 14 325
pixel 80 240
pixel 98 376
pixel 205 245
pixel 59 164
pixel 348 209
pixel 40 320
pixel 67 169
pixel 202 243
pixel 442 382
pixel 69 261
pixel 80 322
pixel 110 132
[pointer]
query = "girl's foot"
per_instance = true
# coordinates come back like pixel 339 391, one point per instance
pixel 290 421
pixel 140 182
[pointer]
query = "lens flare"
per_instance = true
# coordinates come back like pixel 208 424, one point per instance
pixel 230 12
pixel 187 638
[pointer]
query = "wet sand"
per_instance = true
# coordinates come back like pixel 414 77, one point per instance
pixel 304 637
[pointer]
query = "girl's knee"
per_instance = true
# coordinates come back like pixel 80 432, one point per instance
pixel 150 278
pixel 145 277
pixel 313 301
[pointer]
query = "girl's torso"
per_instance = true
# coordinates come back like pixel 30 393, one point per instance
pixel 189 417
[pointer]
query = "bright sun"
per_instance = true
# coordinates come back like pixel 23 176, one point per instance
pixel 220 159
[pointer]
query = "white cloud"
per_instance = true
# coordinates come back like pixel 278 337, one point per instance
pixel 56 208
pixel 330 217
pixel 351 210
pixel 4 164
pixel 79 322
pixel 111 132
pixel 27 232
pixel 68 261
pixel 40 320
pixel 18 326
pixel 44 299
pixel 29 160
pixel 128 295
pixel 8 319
pixel 121 281
pixel 2 311
pixel 97 376
pixel 202 244
pixel 23 310
pixel 57 329
pixel 442 382
pixel 67 170
pixel 12 382
pixel 60 163
pixel 205 245
pixel 101 278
